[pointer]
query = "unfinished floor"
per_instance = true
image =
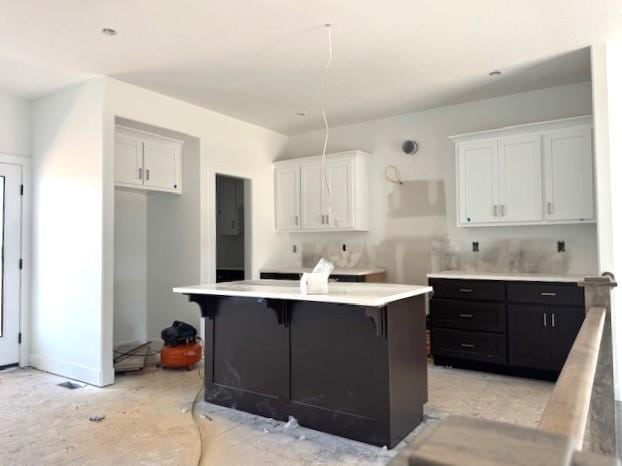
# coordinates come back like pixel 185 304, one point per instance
pixel 148 421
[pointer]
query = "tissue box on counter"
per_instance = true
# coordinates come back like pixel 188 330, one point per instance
pixel 314 283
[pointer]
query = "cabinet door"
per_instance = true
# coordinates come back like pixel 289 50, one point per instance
pixel 228 219
pixel 520 178
pixel 565 324
pixel 311 206
pixel 162 163
pixel 128 160
pixel 568 172
pixel 338 204
pixel 478 177
pixel 287 202
pixel 528 336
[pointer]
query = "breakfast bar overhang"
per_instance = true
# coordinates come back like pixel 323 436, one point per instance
pixel 351 362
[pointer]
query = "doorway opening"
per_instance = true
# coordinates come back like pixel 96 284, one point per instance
pixel 232 228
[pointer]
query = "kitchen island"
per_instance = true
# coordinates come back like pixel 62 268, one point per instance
pixel 351 362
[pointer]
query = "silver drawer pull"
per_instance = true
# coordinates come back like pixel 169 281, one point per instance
pixel 465 290
pixel 548 294
pixel 467 345
pixel 466 316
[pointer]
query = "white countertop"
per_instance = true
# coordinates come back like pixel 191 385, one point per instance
pixel 336 271
pixel 509 276
pixel 357 294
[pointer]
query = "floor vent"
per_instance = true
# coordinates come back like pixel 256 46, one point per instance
pixel 70 385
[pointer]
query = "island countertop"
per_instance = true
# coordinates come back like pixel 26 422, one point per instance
pixel 357 294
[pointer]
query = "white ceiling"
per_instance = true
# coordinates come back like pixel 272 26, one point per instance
pixel 261 61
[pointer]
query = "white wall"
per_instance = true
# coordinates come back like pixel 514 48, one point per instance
pixel 227 146
pixel 405 223
pixel 607 96
pixel 15 126
pixel 66 324
pixel 130 266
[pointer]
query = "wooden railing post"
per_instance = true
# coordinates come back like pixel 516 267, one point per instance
pixel 602 420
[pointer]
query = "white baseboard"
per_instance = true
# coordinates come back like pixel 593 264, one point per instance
pixel 68 369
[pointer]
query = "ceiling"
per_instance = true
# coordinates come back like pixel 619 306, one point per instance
pixel 262 61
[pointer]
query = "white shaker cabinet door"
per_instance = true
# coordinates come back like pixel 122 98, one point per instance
pixel 478 177
pixel 162 166
pixel 339 205
pixel 312 193
pixel 128 160
pixel 287 187
pixel 568 169
pixel 520 178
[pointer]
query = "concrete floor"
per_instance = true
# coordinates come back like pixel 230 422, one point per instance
pixel 148 421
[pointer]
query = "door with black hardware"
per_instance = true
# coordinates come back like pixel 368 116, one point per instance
pixel 565 324
pixel 529 340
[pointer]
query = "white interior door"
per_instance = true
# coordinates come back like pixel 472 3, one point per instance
pixel 10 253
pixel 520 183
pixel 478 178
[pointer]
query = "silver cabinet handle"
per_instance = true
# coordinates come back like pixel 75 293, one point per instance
pixel 465 290
pixel 327 219
pixel 494 211
pixel 296 220
pixel 546 293
pixel 323 216
pixel 552 320
pixel 544 316
pixel 549 208
pixel 466 316
pixel 147 174
pixel 502 210
pixel 140 173
pixel 467 345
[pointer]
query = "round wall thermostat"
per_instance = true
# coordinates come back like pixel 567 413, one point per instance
pixel 410 147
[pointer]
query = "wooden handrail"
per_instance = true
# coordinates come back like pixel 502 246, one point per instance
pixel 568 408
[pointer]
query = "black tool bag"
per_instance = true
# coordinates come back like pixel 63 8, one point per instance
pixel 180 333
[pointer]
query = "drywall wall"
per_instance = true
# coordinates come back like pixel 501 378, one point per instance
pixel 413 228
pixel 227 146
pixel 607 98
pixel 174 246
pixel 130 266
pixel 15 125
pixel 66 320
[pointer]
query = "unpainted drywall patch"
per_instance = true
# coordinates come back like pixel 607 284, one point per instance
pixel 417 198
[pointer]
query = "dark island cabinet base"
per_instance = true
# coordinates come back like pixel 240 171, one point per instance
pixel 522 328
pixel 348 370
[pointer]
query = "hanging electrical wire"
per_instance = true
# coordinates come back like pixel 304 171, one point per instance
pixel 325 119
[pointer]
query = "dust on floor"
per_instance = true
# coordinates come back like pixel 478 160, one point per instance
pixel 148 421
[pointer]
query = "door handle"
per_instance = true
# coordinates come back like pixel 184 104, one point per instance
pixel 544 316
pixel 552 320
pixel 466 316
pixel 546 293
pixel 467 345
pixel 465 290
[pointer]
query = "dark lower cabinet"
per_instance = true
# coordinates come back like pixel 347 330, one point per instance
pixel 522 327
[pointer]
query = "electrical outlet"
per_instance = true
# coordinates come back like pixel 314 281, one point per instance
pixel 475 246
pixel 561 246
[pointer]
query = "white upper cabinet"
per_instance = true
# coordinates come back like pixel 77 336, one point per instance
pixel 287 195
pixel 520 179
pixel 526 175
pixel 478 181
pixel 147 161
pixel 329 197
pixel 568 172
pixel 128 163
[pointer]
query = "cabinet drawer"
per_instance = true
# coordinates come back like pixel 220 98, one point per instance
pixel 546 293
pixel 476 346
pixel 469 315
pixel 482 290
